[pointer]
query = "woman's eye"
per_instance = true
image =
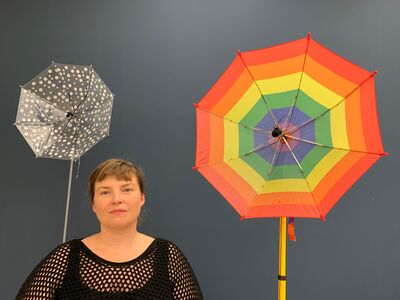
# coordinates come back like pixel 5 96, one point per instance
pixel 127 190
pixel 104 192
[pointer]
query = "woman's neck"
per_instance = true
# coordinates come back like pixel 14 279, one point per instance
pixel 117 238
pixel 118 246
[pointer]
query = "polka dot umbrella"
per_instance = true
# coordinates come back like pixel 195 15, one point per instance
pixel 286 131
pixel 63 112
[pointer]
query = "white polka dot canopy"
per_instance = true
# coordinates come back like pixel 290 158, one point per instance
pixel 64 111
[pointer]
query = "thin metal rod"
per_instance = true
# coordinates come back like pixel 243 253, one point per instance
pixel 43 99
pixel 274 159
pixel 289 116
pixel 39 124
pixel 270 143
pixel 332 147
pixel 239 124
pixel 87 93
pixel 296 128
pixel 304 176
pixel 44 142
pixel 259 90
pixel 94 108
pixel 71 166
pixel 294 156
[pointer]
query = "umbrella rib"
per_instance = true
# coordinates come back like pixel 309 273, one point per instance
pixel 87 93
pixel 262 95
pixel 274 159
pixel 43 99
pixel 94 129
pixel 94 108
pixel 294 156
pixel 38 124
pixel 32 124
pixel 243 125
pixel 302 173
pixel 41 108
pixel 295 128
pixel 332 147
pixel 78 139
pixel 270 143
pixel 66 125
pixel 63 81
pixel 289 116
pixel 44 143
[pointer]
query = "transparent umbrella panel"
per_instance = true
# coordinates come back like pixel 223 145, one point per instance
pixel 64 111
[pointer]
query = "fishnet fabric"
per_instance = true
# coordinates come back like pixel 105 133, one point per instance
pixel 72 271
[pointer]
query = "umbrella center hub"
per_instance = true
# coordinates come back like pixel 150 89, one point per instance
pixel 70 115
pixel 276 132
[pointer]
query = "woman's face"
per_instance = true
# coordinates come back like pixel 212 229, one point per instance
pixel 117 203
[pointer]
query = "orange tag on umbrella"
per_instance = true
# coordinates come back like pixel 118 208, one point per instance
pixel 292 236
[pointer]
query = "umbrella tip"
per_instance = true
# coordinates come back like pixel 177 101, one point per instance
pixel 195 167
pixel 195 104
pixel 385 154
pixel 309 35
pixel 323 219
pixel 242 218
pixel 238 51
pixel 375 72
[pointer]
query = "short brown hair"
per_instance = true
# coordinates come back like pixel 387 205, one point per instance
pixel 120 168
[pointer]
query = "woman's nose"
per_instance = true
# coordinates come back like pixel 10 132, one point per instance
pixel 116 198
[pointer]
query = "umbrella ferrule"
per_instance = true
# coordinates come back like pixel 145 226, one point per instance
pixel 276 132
pixel 71 115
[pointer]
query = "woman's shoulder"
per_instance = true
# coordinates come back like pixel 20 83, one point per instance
pixel 170 247
pixel 63 248
pixel 61 252
pixel 163 241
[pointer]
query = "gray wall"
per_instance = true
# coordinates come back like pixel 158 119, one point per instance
pixel 159 57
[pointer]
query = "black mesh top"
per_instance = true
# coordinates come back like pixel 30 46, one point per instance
pixel 73 271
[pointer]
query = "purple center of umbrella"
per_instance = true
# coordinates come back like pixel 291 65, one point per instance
pixel 300 149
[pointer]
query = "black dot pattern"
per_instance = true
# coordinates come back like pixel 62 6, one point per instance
pixel 72 271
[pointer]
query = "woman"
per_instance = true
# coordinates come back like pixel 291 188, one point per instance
pixel 118 262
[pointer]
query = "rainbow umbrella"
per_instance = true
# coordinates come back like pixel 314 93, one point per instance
pixel 286 131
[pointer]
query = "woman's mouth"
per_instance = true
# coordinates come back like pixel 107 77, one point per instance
pixel 117 211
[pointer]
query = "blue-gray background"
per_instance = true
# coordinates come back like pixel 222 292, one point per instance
pixel 159 57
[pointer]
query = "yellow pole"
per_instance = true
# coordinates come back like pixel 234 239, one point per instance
pixel 282 260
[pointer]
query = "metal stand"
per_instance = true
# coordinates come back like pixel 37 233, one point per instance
pixel 71 166
pixel 282 260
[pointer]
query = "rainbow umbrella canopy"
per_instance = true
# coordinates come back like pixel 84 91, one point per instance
pixel 287 130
